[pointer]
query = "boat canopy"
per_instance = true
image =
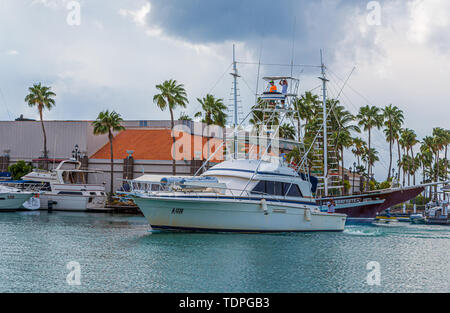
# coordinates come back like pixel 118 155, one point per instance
pixel 270 78
pixel 276 99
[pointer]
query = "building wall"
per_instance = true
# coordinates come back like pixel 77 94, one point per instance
pixel 25 140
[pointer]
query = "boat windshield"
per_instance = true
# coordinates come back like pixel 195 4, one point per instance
pixel 275 188
pixel 70 177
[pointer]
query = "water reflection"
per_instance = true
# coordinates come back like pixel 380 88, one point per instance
pixel 119 253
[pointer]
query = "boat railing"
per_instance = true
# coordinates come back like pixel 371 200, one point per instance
pixel 28 186
pixel 151 188
pixel 39 170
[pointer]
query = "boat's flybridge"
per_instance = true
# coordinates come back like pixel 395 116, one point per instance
pixel 67 172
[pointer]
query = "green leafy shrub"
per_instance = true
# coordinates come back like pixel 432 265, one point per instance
pixel 20 169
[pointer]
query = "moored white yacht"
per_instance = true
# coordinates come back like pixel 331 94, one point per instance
pixel 67 189
pixel 235 196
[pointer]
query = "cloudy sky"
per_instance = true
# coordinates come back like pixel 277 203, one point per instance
pixel 121 49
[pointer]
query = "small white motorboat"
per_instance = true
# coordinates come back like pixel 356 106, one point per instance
pixel 66 188
pixel 14 199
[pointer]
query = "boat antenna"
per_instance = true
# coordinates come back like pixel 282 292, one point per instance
pixel 325 130
pixel 293 46
pixel 259 69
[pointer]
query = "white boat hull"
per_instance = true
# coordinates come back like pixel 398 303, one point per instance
pixel 235 216
pixel 72 203
pixel 13 201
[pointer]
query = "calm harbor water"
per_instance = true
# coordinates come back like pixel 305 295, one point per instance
pixel 118 254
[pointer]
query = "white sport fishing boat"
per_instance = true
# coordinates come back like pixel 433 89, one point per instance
pixel 235 196
pixel 241 194
pixel 68 189
pixel 14 199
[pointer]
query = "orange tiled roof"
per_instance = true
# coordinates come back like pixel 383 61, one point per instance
pixel 154 144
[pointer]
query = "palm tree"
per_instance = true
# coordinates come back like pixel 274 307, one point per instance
pixel 409 139
pixel 287 131
pixel 393 120
pixel 305 108
pixel 404 165
pixel 341 125
pixel 427 153
pixel 107 123
pixel 370 156
pixel 359 145
pixel 439 143
pixel 405 161
pixel 369 117
pixel 172 95
pixel 41 97
pixel 184 117
pixel 446 135
pixel 294 156
pixel 213 111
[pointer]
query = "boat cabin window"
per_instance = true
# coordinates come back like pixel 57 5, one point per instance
pixel 78 193
pixel 277 189
pixel 74 177
pixel 293 191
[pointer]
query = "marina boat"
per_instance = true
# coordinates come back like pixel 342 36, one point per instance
pixel 417 219
pixel 66 188
pixel 363 208
pixel 14 199
pixel 386 219
pixel 438 215
pixel 437 211
pixel 235 196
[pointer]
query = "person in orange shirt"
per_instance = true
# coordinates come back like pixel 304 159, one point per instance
pixel 273 88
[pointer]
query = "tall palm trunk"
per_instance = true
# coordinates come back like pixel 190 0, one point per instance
pixel 423 181
pixel 43 131
pixel 369 168
pixel 390 160
pixel 390 152
pixel 399 160
pixel 413 166
pixel 437 173
pixel 404 168
pixel 409 167
pixel 174 170
pixel 111 185
pixel 446 162
pixel 342 160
